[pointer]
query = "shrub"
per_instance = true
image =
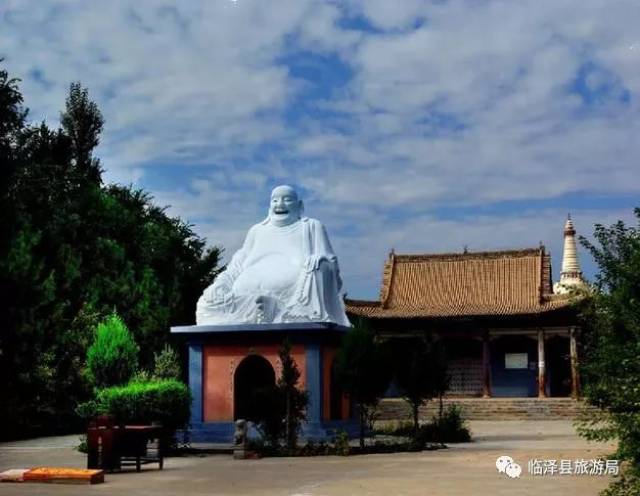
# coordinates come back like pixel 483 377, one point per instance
pixel 165 401
pixel 452 427
pixel 342 443
pixel 88 410
pixel 113 357
pixel 449 428
pixel 402 428
pixel 142 375
pixel 83 447
pixel 167 364
pixel 627 485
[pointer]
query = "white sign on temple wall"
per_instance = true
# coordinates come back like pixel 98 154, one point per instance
pixel 516 361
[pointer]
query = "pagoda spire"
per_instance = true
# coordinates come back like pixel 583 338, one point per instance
pixel 571 275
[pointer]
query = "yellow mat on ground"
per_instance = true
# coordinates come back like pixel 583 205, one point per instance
pixel 54 474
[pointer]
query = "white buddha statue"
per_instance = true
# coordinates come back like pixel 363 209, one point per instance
pixel 286 271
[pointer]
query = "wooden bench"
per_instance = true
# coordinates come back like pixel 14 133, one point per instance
pixel 110 447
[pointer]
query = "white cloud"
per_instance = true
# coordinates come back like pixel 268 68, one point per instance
pixel 441 105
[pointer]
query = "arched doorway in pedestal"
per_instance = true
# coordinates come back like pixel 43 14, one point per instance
pixel 254 373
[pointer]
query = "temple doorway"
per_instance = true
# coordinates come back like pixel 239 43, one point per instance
pixel 464 366
pixel 514 368
pixel 253 375
pixel 558 366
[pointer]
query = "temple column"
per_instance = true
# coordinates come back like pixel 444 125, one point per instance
pixel 541 365
pixel 486 366
pixel 573 354
pixel 195 382
pixel 312 429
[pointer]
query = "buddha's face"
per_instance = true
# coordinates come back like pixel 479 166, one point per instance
pixel 285 207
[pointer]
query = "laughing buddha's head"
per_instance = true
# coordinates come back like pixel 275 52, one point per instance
pixel 285 207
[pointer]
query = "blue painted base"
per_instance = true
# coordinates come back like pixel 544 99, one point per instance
pixel 314 336
pixel 222 432
pixel 212 432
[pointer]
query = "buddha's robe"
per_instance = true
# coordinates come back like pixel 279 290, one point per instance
pixel 273 278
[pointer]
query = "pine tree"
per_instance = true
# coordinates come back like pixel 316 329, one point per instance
pixel 112 359
pixel 82 121
pixel 295 400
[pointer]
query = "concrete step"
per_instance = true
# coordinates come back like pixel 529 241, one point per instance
pixel 489 408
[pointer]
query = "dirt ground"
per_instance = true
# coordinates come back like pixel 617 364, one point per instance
pixel 464 469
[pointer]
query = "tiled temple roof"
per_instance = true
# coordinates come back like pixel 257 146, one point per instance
pixel 514 282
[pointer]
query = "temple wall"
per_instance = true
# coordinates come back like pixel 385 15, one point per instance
pixel 328 356
pixel 465 376
pixel 220 363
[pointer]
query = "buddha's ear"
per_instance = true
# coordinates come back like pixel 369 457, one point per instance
pixel 266 221
pixel 300 207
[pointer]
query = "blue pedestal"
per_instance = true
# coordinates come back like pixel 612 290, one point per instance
pixel 313 335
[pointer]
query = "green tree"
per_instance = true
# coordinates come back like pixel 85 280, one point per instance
pixel 12 122
pixel 167 364
pixel 295 399
pixel 363 369
pixel 71 251
pixel 112 359
pixel 82 121
pixel 27 285
pixel 611 324
pixel 420 372
pixel 149 266
pixel 439 374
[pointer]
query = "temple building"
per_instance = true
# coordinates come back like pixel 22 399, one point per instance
pixel 507 331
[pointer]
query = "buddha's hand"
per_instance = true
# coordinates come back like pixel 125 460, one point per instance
pixel 218 292
pixel 313 262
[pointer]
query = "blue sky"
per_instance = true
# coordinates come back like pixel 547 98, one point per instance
pixel 423 126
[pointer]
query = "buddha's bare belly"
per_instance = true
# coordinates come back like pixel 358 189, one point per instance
pixel 272 273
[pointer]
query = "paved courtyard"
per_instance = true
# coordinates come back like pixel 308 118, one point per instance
pixel 464 469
